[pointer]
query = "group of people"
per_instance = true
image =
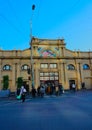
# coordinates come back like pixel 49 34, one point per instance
pixel 39 92
pixel 49 89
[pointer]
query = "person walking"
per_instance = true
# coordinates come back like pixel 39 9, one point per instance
pixel 38 91
pixel 74 87
pixel 33 92
pixel 57 90
pixel 61 89
pixel 22 93
pixel 42 91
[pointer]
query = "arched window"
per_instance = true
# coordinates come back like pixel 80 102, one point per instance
pixel 86 67
pixel 7 67
pixel 25 67
pixel 71 67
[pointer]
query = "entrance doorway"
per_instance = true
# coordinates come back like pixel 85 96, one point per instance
pixel 70 83
pixel 49 77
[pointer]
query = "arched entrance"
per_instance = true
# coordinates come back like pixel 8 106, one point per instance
pixel 70 84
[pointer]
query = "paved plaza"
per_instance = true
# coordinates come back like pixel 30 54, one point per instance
pixel 71 111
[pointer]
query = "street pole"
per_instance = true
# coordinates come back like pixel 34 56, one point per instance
pixel 31 49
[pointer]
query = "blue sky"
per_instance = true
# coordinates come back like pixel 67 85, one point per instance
pixel 51 19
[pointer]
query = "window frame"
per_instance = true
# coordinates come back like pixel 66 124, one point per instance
pixel 7 67
pixel 86 67
pixel 70 67
pixel 53 65
pixel 44 66
pixel 50 76
pixel 25 67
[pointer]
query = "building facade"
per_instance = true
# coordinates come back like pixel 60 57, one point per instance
pixel 52 61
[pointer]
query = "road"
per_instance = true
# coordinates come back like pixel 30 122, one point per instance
pixel 71 111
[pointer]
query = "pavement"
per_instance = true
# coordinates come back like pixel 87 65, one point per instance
pixel 71 111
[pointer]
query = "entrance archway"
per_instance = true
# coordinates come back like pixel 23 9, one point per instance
pixel 70 84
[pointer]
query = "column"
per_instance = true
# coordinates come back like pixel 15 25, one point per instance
pixel 79 78
pixel 14 77
pixel 59 71
pixel 66 85
pixel 0 75
pixel 90 61
pixel 18 70
pixel 62 74
pixel 37 82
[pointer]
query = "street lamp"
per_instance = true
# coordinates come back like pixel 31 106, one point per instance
pixel 31 49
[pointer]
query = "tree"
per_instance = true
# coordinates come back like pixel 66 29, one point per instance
pixel 19 82
pixel 5 82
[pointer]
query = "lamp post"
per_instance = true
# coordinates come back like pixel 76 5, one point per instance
pixel 31 49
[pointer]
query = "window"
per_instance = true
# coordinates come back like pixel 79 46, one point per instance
pixel 71 67
pixel 6 67
pixel 86 67
pixel 41 74
pixel 44 65
pixel 25 67
pixel 53 66
pixel 46 74
pixel 49 76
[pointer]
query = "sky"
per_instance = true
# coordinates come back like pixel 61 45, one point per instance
pixel 51 19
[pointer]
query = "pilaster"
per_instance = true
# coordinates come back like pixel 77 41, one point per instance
pixel 0 74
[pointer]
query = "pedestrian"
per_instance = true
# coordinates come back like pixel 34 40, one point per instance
pixel 33 92
pixel 18 91
pixel 74 87
pixel 83 85
pixel 42 91
pixel 23 93
pixel 61 89
pixel 38 91
pixel 57 90
pixel 48 89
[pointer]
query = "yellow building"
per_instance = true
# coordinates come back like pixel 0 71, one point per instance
pixel 53 62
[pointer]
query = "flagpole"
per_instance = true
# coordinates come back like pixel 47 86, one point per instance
pixel 31 47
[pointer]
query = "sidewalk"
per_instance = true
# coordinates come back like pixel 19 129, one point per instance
pixel 12 96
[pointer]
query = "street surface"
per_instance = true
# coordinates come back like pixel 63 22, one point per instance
pixel 71 111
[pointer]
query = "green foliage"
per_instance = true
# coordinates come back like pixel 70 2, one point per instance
pixel 19 82
pixel 5 82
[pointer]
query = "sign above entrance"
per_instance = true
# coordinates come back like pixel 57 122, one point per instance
pixel 46 52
